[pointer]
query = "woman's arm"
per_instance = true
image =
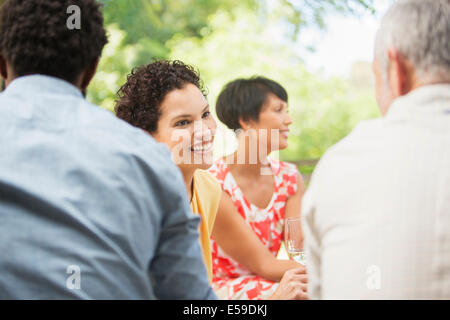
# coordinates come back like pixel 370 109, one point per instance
pixel 240 242
pixel 294 202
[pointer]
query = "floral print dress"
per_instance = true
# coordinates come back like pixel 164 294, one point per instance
pixel 230 279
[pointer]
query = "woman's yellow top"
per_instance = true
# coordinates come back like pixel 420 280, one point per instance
pixel 205 202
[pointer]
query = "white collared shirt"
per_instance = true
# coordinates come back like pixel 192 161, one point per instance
pixel 376 216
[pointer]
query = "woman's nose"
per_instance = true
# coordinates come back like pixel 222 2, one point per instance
pixel 202 131
pixel 288 119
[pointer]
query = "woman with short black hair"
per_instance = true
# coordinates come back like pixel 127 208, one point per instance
pixel 259 193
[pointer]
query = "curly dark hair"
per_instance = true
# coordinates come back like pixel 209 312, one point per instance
pixel 146 87
pixel 35 38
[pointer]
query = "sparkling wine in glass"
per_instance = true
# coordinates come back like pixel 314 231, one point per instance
pixel 293 239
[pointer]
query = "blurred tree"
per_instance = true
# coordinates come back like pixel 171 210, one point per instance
pixel 143 28
pixel 159 20
pixel 153 22
pixel 140 29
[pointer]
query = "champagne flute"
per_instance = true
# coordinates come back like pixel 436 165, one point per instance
pixel 293 239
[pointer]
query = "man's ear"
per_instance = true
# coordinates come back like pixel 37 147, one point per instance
pixel 401 74
pixel 88 74
pixel 3 68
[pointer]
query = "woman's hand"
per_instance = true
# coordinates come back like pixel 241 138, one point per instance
pixel 293 286
pixel 241 243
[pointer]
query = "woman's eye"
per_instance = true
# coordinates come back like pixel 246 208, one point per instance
pixel 206 114
pixel 181 123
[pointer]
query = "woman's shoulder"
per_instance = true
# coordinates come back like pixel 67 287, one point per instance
pixel 289 175
pixel 206 182
pixel 284 168
pixel 219 170
pixel 209 193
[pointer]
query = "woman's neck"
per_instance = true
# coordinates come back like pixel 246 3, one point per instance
pixel 248 161
pixel 188 177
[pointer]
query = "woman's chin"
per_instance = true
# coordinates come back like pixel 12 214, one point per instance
pixel 207 161
pixel 281 146
pixel 205 166
pixel 200 161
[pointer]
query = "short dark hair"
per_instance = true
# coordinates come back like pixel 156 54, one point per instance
pixel 146 87
pixel 35 38
pixel 243 99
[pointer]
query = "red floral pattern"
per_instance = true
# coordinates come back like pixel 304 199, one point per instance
pixel 230 279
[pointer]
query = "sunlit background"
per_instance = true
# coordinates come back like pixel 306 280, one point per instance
pixel 319 50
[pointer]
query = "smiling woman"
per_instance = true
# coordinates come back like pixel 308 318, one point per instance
pixel 187 128
pixel 258 196
pixel 166 99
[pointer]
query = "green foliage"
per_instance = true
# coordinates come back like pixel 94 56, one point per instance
pixel 117 60
pixel 153 22
pixel 330 110
pixel 138 34
pixel 142 30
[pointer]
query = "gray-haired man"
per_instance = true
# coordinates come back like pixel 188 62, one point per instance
pixel 377 212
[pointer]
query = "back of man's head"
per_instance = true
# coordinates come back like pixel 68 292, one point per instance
pixel 420 31
pixel 44 36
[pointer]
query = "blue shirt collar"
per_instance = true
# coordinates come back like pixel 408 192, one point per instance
pixel 38 83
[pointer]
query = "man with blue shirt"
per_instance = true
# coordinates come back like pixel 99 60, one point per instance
pixel 90 207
